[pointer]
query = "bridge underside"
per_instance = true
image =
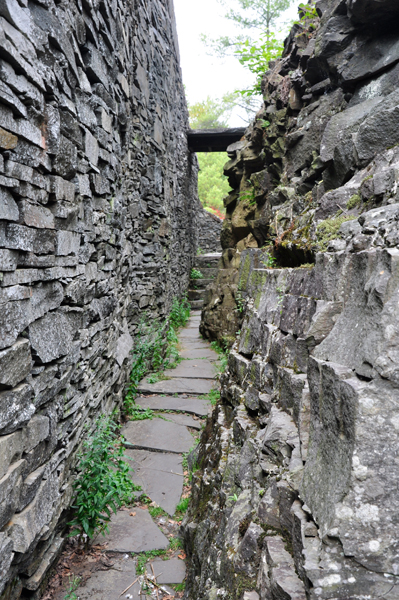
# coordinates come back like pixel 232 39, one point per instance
pixel 213 140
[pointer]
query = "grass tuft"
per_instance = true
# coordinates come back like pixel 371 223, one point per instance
pixel 154 351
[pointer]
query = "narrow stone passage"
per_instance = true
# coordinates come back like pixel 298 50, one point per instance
pixel 155 447
pixel 204 271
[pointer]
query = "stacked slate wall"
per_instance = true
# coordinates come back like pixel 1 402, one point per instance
pixel 209 230
pixel 97 226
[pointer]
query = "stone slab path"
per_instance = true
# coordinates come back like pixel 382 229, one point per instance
pixel 160 475
pixel 182 403
pixel 136 533
pixel 155 448
pixel 194 369
pixel 181 419
pixel 107 585
pixel 159 435
pixel 171 572
pixel 180 385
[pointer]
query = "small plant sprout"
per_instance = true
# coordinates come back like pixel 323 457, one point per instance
pixel 183 505
pixel 233 498
pixel 154 351
pixel 307 11
pixel 213 396
pixel 268 261
pixel 240 302
pixel 73 584
pixel 223 355
pixel 137 413
pixel 248 195
pixel 264 123
pixel 196 274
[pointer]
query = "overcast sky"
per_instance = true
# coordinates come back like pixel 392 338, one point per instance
pixel 204 75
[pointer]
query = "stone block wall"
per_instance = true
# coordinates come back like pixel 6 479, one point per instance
pixel 209 230
pixel 97 225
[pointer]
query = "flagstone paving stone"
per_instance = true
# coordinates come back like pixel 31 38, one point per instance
pixel 201 368
pixel 168 571
pixel 195 406
pixel 191 333
pixel 193 325
pixel 134 533
pixel 160 476
pixel 192 342
pixel 109 584
pixel 196 353
pixel 183 420
pixel 157 435
pixel 178 385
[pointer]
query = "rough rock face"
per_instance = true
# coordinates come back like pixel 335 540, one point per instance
pixel 330 114
pixel 98 223
pixel 296 492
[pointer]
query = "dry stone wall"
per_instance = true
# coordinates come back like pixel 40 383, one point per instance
pixel 98 214
pixel 295 495
pixel 209 229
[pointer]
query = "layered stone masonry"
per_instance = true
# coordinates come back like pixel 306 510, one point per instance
pixel 98 224
pixel 209 229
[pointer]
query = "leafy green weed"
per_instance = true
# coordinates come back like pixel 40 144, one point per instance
pixel 103 482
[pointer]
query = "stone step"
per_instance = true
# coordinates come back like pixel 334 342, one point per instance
pixel 192 334
pixel 179 385
pixel 199 284
pixel 108 584
pixel 193 322
pixel 181 419
pixel 191 344
pixel 191 405
pixel 168 571
pixel 207 259
pixel 209 273
pixel 160 476
pixel 134 533
pixel 193 369
pixel 196 353
pixel 196 294
pixel 157 435
pixel 196 304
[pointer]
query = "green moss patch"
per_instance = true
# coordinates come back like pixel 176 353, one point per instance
pixel 328 230
pixel 354 201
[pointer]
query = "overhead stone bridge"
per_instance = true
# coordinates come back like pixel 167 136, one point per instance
pixel 213 140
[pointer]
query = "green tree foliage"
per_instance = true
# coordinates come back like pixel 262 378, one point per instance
pixel 260 45
pixel 256 16
pixel 212 184
pixel 256 58
pixel 211 113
